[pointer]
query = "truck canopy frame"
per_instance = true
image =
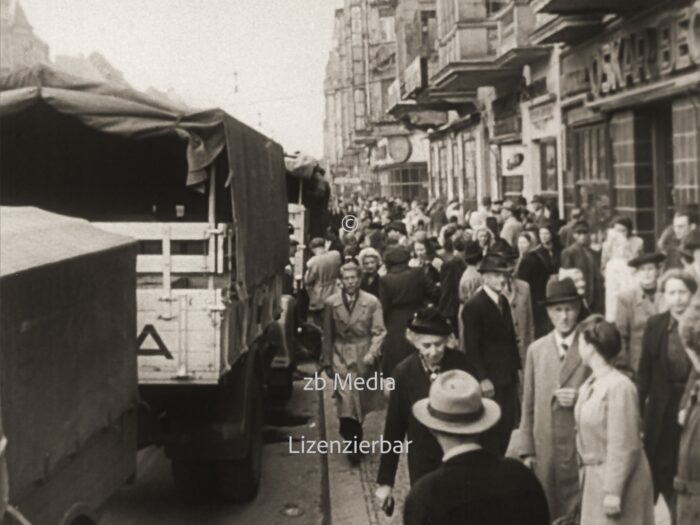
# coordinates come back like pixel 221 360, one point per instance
pixel 104 143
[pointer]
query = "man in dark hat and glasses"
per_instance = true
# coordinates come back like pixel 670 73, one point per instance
pixel 428 332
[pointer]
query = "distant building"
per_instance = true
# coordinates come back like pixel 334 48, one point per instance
pixel 19 46
pixel 364 146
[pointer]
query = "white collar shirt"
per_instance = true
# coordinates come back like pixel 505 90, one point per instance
pixel 460 449
pixel 564 343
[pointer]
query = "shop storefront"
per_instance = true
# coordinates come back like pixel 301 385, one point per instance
pixel 457 161
pixel 631 107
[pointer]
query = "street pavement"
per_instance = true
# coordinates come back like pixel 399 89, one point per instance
pixel 291 484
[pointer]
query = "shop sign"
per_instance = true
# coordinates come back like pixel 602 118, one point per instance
pixel 540 116
pixel 653 50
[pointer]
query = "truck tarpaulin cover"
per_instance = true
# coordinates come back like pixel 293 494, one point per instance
pixel 255 171
pixel 68 372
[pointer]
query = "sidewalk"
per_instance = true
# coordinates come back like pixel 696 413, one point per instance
pixel 352 488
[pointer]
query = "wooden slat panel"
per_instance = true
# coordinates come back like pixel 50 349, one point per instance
pixel 180 231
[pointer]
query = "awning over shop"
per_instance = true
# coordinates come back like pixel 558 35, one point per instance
pixel 252 164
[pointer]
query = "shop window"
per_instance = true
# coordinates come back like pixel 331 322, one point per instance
pixel 548 165
pixel 513 185
pixel 469 170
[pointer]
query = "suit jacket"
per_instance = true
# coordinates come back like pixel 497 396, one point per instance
pixel 370 287
pixel 652 380
pixel 547 429
pixel 583 258
pixel 633 311
pixel 412 384
pixel 521 310
pixel 402 292
pixel 477 487
pixel 536 268
pixel 490 341
pixel 450 274
pixel 322 272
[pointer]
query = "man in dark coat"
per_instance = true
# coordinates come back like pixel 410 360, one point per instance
pixel 491 347
pixel 402 292
pixel 536 268
pixel 450 274
pixel 579 255
pixel 428 331
pixel 472 485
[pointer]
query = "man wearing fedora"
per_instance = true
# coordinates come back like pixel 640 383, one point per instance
pixel 580 255
pixel 491 347
pixel 472 485
pixel 636 305
pixel 553 373
pixel 428 332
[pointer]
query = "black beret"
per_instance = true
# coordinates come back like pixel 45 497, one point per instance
pixel 646 258
pixel 429 321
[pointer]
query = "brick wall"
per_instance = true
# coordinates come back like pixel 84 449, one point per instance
pixel 632 163
pixel 686 146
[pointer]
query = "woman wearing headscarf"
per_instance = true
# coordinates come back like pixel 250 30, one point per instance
pixel 664 369
pixel 370 262
pixel 616 479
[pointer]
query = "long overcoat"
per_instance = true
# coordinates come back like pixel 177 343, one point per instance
pixel 520 302
pixel 402 291
pixel 610 447
pixel 547 429
pixel 347 338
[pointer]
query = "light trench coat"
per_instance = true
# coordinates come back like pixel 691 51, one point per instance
pixel 347 339
pixel 547 429
pixel 633 310
pixel 609 444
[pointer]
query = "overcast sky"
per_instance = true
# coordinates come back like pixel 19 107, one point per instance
pixel 278 48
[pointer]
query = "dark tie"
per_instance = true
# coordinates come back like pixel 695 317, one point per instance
pixel 564 347
pixel 502 304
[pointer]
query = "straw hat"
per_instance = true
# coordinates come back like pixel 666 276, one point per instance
pixel 455 405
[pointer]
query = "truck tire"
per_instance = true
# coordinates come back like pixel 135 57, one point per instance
pixel 238 481
pixel 194 480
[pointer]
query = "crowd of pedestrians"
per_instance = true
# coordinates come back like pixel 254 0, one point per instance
pixel 568 374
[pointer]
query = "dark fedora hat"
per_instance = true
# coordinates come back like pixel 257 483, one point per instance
pixel 561 291
pixel 374 226
pixel 691 242
pixel 397 226
pixel 429 321
pixel 505 250
pixel 397 255
pixel 494 262
pixel 647 258
pixel 581 227
pixel 472 252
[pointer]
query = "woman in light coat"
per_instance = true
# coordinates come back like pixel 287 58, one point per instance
pixel 616 479
pixel 353 332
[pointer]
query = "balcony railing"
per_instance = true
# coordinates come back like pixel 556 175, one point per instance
pixel 577 7
pixel 487 51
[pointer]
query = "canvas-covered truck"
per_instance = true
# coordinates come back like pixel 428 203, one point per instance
pixel 205 197
pixel 68 379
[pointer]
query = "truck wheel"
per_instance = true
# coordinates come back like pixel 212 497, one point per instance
pixel 238 481
pixel 194 480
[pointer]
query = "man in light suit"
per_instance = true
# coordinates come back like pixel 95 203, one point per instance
pixel 553 374
pixel 321 279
